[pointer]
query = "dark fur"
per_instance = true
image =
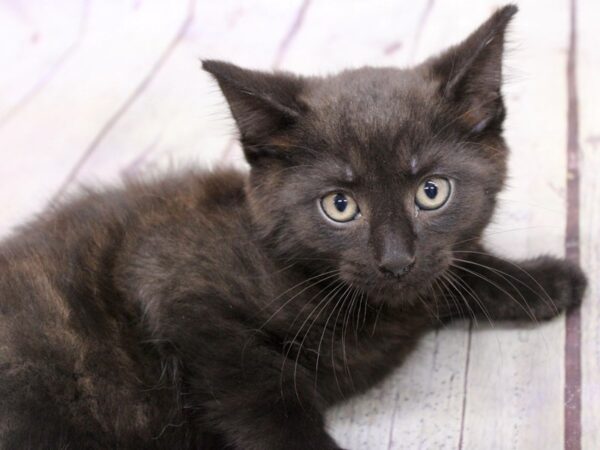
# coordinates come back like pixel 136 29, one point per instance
pixel 196 312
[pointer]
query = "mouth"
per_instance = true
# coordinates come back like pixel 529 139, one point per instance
pixel 382 288
pixel 375 284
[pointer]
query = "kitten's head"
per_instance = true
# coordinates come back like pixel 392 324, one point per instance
pixel 378 173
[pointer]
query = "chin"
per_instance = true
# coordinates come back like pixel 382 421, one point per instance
pixel 397 294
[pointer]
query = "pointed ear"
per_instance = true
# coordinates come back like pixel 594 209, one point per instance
pixel 263 104
pixel 470 73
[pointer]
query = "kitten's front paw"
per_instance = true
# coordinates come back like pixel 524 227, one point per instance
pixel 563 281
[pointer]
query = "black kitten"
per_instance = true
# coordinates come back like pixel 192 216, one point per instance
pixel 229 311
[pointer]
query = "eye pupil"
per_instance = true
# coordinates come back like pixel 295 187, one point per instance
pixel 339 207
pixel 431 190
pixel 341 202
pixel 433 193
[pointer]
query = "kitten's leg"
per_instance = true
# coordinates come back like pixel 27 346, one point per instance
pixel 497 288
pixel 256 402
pixel 258 410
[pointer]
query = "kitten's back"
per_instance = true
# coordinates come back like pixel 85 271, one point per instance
pixel 71 359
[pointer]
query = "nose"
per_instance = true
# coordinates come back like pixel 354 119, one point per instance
pixel 395 248
pixel 396 264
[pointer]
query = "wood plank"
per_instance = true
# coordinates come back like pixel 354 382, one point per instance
pixel 588 69
pixel 40 43
pixel 182 118
pixel 514 395
pixel 572 352
pixel 46 139
pixel 419 406
pixel 330 41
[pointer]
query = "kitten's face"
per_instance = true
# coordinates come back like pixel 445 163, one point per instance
pixel 380 181
pixel 376 174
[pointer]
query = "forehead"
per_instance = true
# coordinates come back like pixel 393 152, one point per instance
pixel 373 95
pixel 377 120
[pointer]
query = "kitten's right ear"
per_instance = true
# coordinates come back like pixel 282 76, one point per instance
pixel 263 104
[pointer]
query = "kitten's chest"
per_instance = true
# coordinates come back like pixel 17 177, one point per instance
pixel 348 347
pixel 377 348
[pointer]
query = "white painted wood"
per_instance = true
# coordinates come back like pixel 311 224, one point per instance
pixel 419 406
pixel 47 137
pixel 516 376
pixel 182 118
pixel 589 100
pixel 37 41
pixel 338 35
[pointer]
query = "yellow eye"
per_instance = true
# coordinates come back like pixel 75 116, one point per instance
pixel 433 193
pixel 340 207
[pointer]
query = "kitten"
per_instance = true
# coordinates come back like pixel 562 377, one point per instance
pixel 226 310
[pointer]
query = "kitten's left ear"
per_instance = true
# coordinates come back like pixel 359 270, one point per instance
pixel 263 104
pixel 470 73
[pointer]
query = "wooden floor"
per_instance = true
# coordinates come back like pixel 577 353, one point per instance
pixel 91 90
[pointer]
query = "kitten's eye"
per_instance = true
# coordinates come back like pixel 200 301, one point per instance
pixel 339 207
pixel 433 193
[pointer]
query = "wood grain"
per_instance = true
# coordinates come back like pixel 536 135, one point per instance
pixel 516 376
pixel 46 139
pixel 187 122
pixel 40 43
pixel 588 69
pixel 572 396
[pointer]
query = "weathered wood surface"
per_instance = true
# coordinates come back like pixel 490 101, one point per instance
pixel 587 77
pixel 90 91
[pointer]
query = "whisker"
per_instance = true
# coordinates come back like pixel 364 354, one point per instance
pixel 326 300
pixel 316 280
pixel 428 308
pixel 345 324
pixel 500 288
pixel 471 292
pixel 499 273
pixel 517 266
pixel 446 290
pixel 293 341
pixel 365 299
pixel 462 296
pixel 436 284
pixel 339 302
pixel 382 304
pixel 357 321
pixel 337 381
pixel 479 237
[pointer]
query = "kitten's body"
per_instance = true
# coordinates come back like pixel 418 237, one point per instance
pixel 229 310
pixel 109 277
